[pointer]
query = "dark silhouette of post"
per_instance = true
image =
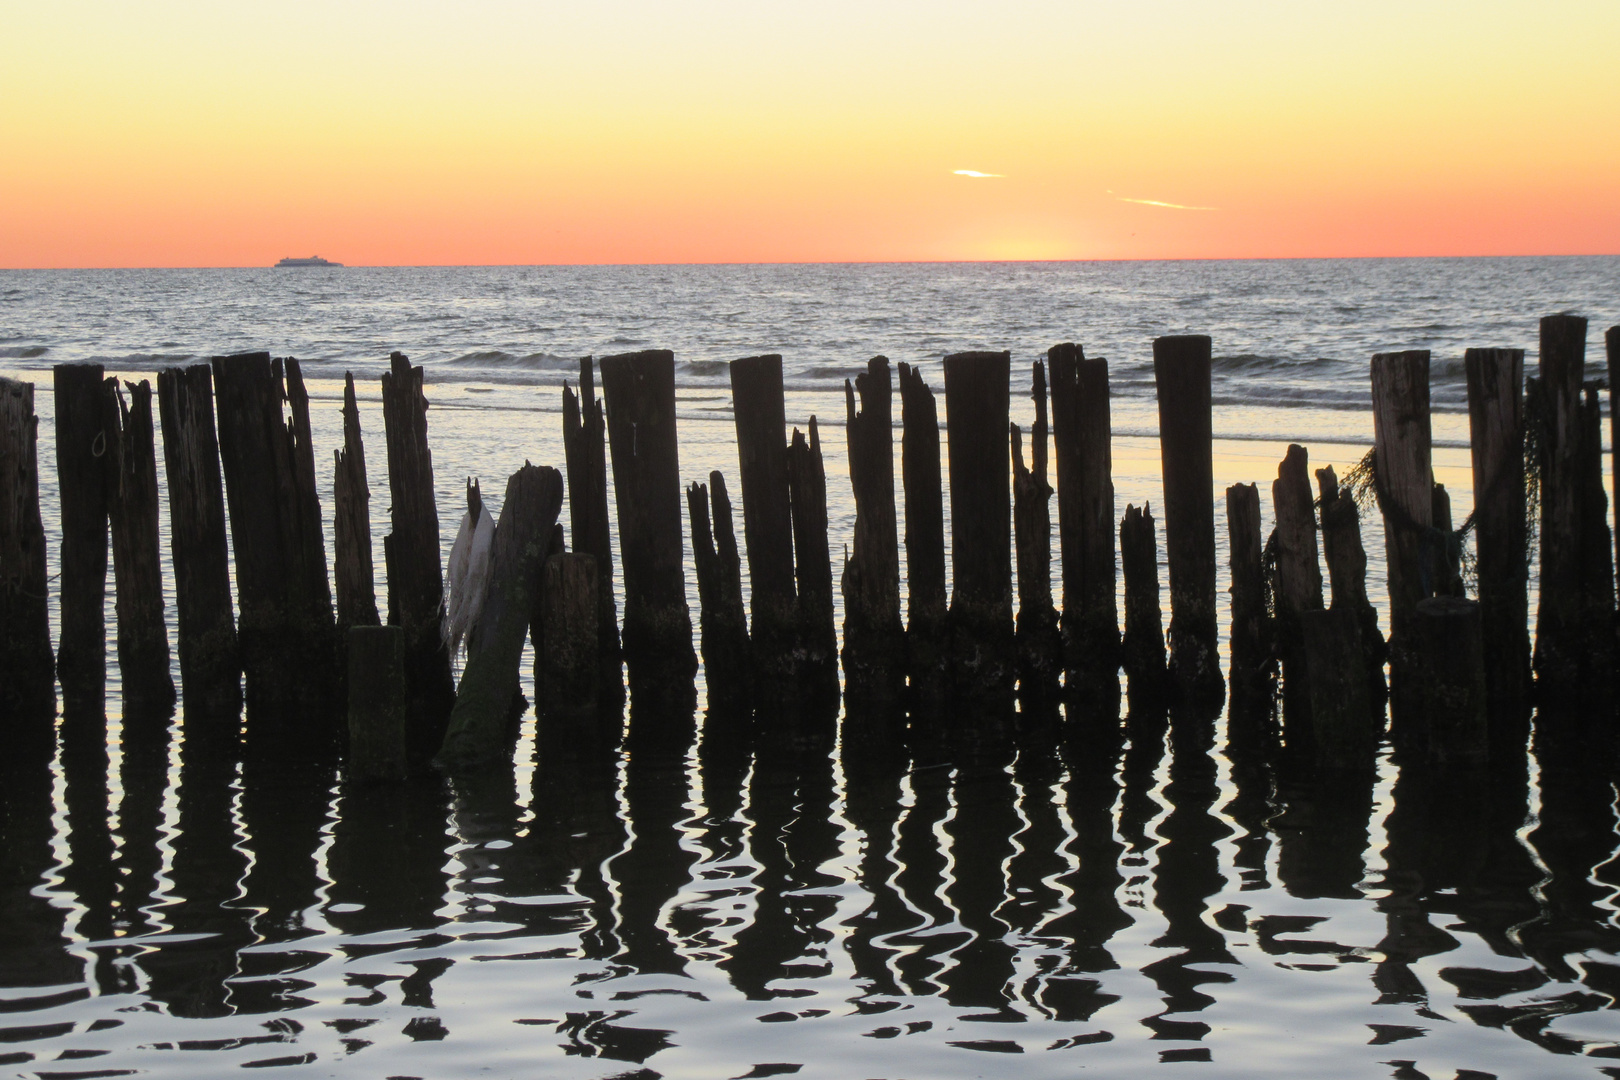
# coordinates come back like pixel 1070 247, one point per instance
pixel 353 571
pixel 132 510
pixel 569 674
pixel 210 669
pixel 1501 534
pixel 81 446
pixel 585 446
pixel 818 633
pixel 727 670
pixel 28 690
pixel 1299 576
pixel 925 534
pixel 1401 448
pixel 411 555
pixel 1346 559
pixel 1181 371
pixel 1082 437
pixel 640 392
pixel 376 681
pixel 1040 654
pixel 1143 643
pixel 874 636
pixel 1253 669
pixel 760 412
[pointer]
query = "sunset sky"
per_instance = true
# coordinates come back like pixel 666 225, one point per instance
pixel 185 133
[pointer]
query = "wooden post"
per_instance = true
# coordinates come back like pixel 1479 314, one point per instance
pixel 727 671
pixel 1445 550
pixel 132 508
pixel 760 411
pixel 570 668
pixel 210 669
pixel 1501 536
pixel 413 560
pixel 307 542
pixel 1082 434
pixel 354 575
pixel 1143 644
pixel 1401 448
pixel 28 689
pixel 1338 730
pixel 1574 643
pixel 585 445
pixel 1299 577
pixel 640 393
pixel 1347 575
pixel 925 534
pixel 81 445
pixel 1040 657
pixel 1611 341
pixel 818 633
pixel 1451 658
pixel 1181 371
pixel 983 656
pixel 480 723
pixel 874 636
pixel 1597 553
pixel 1253 672
pixel 376 702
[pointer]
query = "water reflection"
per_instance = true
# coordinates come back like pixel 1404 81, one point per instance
pixel 776 892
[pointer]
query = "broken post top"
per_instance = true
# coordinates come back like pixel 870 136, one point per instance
pixel 1563 350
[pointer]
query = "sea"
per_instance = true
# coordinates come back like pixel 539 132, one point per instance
pixel 1121 900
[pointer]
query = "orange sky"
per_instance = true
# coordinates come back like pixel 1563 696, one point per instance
pixel 178 133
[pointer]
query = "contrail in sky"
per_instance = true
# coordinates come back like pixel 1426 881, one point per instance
pixel 1166 205
pixel 978 175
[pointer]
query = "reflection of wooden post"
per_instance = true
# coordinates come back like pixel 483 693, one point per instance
pixel 413 559
pixel 353 572
pixel 480 723
pixel 28 690
pixel 1082 435
pixel 874 636
pixel 760 412
pixel 726 667
pixel 983 657
pixel 1181 371
pixel 81 443
pixel 132 506
pixel 1143 644
pixel 210 670
pixel 1501 536
pixel 376 702
pixel 568 610
pixel 1039 649
pixel 925 533
pixel 640 393
pixel 1251 674
pixel 818 633
pixel 585 444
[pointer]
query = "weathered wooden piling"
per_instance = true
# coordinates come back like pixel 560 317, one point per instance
pixel 1338 730
pixel 1405 486
pixel 1253 670
pixel 81 446
pixel 585 447
pixel 480 723
pixel 758 406
pixel 1611 341
pixel 1299 576
pixel 723 625
pixel 1083 439
pixel 28 689
pixel 1501 534
pixel 210 668
pixel 353 572
pixel 412 559
pixel 1181 371
pixel 926 612
pixel 132 510
pixel 818 632
pixel 1445 560
pixel 376 679
pixel 874 636
pixel 570 671
pixel 1142 647
pixel 1574 639
pixel 1040 654
pixel 983 653
pixel 657 637
pixel 1450 657
pixel 285 630
pixel 1347 574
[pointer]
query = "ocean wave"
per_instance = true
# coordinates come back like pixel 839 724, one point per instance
pixel 1254 363
pixel 704 369
pixel 23 352
pixel 831 371
pixel 142 361
pixel 500 359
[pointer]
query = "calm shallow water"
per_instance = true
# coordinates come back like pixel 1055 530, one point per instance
pixel 1083 897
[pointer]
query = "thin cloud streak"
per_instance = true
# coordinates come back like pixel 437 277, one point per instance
pixel 979 175
pixel 1166 205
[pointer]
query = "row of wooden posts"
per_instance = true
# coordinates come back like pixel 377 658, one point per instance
pixel 1457 666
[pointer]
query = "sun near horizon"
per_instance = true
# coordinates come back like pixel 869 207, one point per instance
pixel 184 134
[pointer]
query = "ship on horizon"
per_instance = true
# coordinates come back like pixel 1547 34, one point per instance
pixel 313 260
